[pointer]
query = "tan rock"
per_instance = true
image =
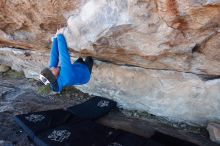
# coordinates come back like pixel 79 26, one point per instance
pixel 4 68
pixel 165 53
pixel 31 24
pixel 175 95
pixel 214 131
pixel 162 34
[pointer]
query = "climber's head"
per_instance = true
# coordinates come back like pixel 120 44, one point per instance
pixel 49 76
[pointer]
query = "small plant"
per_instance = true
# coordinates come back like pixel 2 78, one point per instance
pixel 44 90
pixel 14 74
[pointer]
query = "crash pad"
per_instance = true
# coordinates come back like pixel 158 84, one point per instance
pixel 93 109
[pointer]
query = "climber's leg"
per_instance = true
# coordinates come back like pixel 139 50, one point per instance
pixel 89 63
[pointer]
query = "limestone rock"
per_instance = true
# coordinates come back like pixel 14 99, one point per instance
pixel 175 95
pixel 214 132
pixel 31 62
pixel 165 34
pixel 160 56
pixel 4 68
pixel 176 35
pixel 31 24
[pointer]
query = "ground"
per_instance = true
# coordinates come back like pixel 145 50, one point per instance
pixel 20 95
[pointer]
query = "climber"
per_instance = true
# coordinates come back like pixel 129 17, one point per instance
pixel 67 74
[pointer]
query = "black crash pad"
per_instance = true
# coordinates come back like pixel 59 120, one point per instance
pixel 34 123
pixel 85 133
pixel 93 108
pixel 75 127
pixel 60 127
pixel 89 133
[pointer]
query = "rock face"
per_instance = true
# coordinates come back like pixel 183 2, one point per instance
pixel 177 95
pixel 165 53
pixel 4 68
pixel 214 132
pixel 30 24
pixel 180 35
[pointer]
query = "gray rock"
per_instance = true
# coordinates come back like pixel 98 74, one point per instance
pixel 5 143
pixel 214 131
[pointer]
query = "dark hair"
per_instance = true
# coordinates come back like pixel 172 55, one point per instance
pixel 46 72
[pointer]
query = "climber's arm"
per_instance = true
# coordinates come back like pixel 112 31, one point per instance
pixel 63 51
pixel 54 54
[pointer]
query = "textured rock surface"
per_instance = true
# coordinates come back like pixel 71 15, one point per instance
pixel 166 51
pixel 4 68
pixel 179 96
pixel 214 131
pixel 176 95
pixel 178 35
pixel 30 23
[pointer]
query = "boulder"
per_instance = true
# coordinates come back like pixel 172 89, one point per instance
pixel 164 34
pixel 4 68
pixel 178 96
pixel 31 24
pixel 178 35
pixel 214 131
pixel 159 56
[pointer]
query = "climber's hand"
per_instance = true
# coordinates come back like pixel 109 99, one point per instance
pixel 60 31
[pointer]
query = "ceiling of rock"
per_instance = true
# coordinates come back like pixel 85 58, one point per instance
pixel 180 35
